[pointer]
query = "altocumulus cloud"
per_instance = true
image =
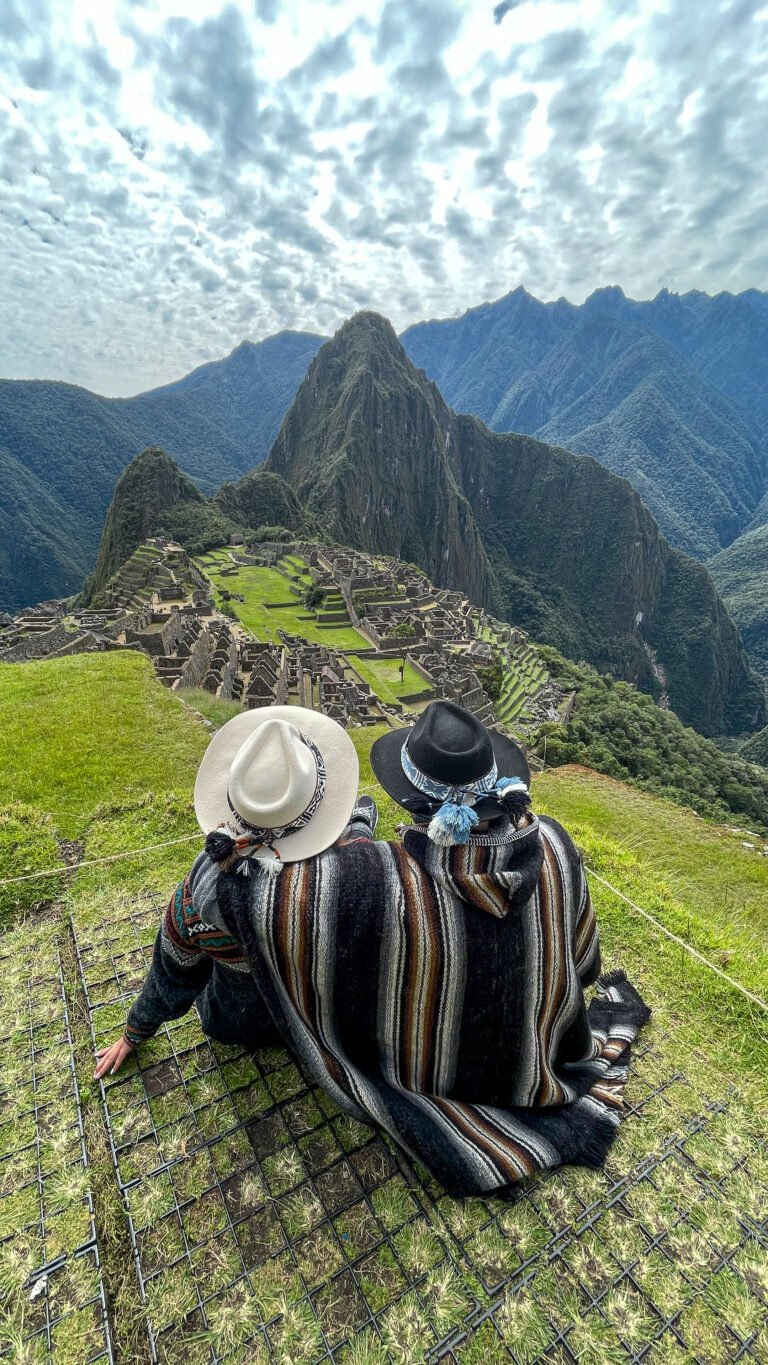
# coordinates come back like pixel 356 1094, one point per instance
pixel 178 174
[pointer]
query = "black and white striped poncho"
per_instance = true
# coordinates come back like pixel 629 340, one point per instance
pixel 439 993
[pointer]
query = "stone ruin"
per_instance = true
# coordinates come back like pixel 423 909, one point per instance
pixel 161 603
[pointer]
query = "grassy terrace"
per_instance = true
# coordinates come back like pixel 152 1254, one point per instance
pixel 263 588
pixel 383 675
pixel 220 1207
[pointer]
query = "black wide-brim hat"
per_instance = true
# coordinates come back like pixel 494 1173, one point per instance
pixel 451 746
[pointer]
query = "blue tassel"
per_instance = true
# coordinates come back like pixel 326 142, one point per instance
pixel 507 785
pixel 451 824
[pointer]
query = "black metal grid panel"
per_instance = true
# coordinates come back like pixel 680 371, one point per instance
pixel 51 1288
pixel 255 1206
pixel 665 1264
pixel 44 1192
pixel 65 1315
pixel 261 1215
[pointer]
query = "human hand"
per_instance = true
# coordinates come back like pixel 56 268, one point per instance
pixel 112 1058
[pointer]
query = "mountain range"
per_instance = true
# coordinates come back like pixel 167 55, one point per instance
pixel 63 448
pixel 669 394
pixel 370 452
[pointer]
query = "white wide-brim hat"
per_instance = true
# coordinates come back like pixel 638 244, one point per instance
pixel 283 775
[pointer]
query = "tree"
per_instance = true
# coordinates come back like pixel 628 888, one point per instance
pixel 492 676
pixel 314 597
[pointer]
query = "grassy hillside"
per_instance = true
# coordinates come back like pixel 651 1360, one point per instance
pixel 699 879
pixel 327 1239
pixel 88 729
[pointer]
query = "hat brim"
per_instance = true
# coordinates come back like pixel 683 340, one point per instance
pixel 342 777
pixel 388 769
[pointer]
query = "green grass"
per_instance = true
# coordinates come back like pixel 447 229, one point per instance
pixel 95 727
pixel 215 709
pixel 261 587
pixel 383 675
pixel 715 891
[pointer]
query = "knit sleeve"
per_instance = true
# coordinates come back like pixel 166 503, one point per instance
pixel 179 971
pixel 587 939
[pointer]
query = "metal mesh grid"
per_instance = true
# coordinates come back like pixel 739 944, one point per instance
pixel 44 1191
pixel 265 1224
pixel 65 1315
pixel 50 1282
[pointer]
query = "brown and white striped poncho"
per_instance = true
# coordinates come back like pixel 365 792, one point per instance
pixel 439 993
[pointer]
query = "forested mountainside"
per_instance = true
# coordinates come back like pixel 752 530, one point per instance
pixel 63 448
pixel 756 748
pixel 652 390
pixel 550 540
pixel 740 574
pixel 153 496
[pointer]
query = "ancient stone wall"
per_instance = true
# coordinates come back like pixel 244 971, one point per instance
pixel 196 666
pixel 36 646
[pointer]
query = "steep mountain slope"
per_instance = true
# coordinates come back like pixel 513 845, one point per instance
pixel 756 749
pixel 217 423
pixel 553 541
pixel 740 574
pixel 724 337
pixel 627 383
pixel 42 550
pixel 153 495
pixel 365 446
pixel 241 399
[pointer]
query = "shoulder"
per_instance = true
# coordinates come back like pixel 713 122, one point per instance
pixel 558 842
pixel 202 882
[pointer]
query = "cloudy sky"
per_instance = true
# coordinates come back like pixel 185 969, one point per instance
pixel 176 175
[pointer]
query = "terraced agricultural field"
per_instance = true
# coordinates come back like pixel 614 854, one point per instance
pixel 263 590
pixel 383 675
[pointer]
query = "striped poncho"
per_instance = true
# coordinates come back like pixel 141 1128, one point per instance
pixel 439 993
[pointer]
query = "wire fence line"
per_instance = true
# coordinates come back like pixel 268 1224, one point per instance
pixel 65 868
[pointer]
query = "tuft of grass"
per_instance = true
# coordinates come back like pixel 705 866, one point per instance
pixel 524 1326
pixel 214 709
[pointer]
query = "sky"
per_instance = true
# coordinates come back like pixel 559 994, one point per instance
pixel 179 175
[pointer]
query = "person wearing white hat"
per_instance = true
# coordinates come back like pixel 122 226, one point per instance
pixel 275 785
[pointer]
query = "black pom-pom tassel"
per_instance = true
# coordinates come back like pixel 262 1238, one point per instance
pixel 517 804
pixel 219 846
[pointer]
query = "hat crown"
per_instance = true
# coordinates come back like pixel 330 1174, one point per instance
pixel 450 745
pixel 273 776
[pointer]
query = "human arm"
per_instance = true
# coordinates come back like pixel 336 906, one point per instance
pixel 179 971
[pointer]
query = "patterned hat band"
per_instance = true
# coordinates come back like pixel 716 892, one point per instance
pixel 465 794
pixel 269 835
pixel 455 819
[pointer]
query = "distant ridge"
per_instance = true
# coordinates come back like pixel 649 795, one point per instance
pixel 62 450
pixel 670 393
pixel 553 542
